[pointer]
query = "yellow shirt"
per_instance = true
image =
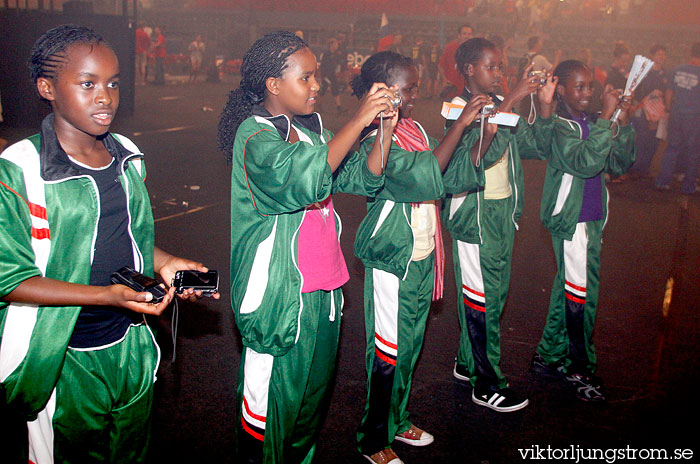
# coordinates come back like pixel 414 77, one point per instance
pixel 423 220
pixel 497 182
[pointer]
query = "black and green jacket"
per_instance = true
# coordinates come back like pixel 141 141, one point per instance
pixel 49 214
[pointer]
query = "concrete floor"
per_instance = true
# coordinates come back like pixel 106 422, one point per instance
pixel 648 359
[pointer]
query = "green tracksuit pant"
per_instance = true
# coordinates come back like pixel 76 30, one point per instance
pixel 482 272
pixel 100 409
pixel 281 399
pixel 396 312
pixel 568 332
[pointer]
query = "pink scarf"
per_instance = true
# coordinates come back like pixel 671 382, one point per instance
pixel 411 138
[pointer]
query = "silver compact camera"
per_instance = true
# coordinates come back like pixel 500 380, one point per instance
pixel 541 75
pixel 396 100
pixel 488 109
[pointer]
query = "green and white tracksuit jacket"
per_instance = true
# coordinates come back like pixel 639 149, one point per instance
pixel 567 336
pixel 482 232
pixel 570 160
pixel 272 183
pixel 290 338
pixel 48 218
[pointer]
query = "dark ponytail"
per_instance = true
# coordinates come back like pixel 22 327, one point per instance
pixel 267 57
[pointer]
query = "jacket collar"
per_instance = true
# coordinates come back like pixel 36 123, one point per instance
pixel 467 95
pixel 55 164
pixel 311 122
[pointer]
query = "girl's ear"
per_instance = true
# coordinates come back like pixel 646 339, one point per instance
pixel 469 69
pixel 272 85
pixel 560 91
pixel 45 88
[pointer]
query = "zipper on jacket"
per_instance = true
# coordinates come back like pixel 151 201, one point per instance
pixel 301 276
pixel 403 207
pixel 125 185
pixel 515 186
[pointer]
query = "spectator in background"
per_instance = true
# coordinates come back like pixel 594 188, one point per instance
pixel 650 94
pixel 418 54
pixel 620 69
pixel 159 52
pixel 534 47
pixel 432 76
pixel 683 97
pixel 332 64
pixel 142 43
pixel 196 49
pixel 398 45
pixel 448 66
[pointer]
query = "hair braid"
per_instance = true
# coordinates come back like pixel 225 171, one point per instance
pixel 267 57
pixel 49 51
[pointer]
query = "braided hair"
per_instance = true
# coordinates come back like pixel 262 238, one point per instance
pixel 267 57
pixel 563 71
pixel 470 52
pixel 49 51
pixel 379 67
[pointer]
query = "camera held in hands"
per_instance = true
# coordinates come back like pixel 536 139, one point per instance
pixel 489 109
pixel 541 75
pixel 205 282
pixel 139 282
pixel 396 100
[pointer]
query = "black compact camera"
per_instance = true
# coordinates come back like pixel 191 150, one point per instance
pixel 205 282
pixel 139 282
pixel 541 75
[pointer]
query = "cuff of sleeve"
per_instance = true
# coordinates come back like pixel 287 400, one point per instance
pixel 372 180
pixel 604 123
pixel 18 278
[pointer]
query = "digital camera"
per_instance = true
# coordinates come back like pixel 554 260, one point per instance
pixel 541 75
pixel 139 282
pixel 396 100
pixel 488 109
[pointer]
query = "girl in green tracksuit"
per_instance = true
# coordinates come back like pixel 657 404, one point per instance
pixel 77 359
pixel 400 244
pixel 482 222
pixel 286 263
pixel 580 148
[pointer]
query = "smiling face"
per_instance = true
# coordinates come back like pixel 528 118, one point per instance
pixel 406 79
pixel 84 95
pixel 295 92
pixel 485 75
pixel 577 91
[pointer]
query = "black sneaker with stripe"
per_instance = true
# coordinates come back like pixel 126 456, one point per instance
pixel 502 400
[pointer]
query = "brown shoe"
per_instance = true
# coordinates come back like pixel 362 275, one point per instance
pixel 415 437
pixel 386 456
